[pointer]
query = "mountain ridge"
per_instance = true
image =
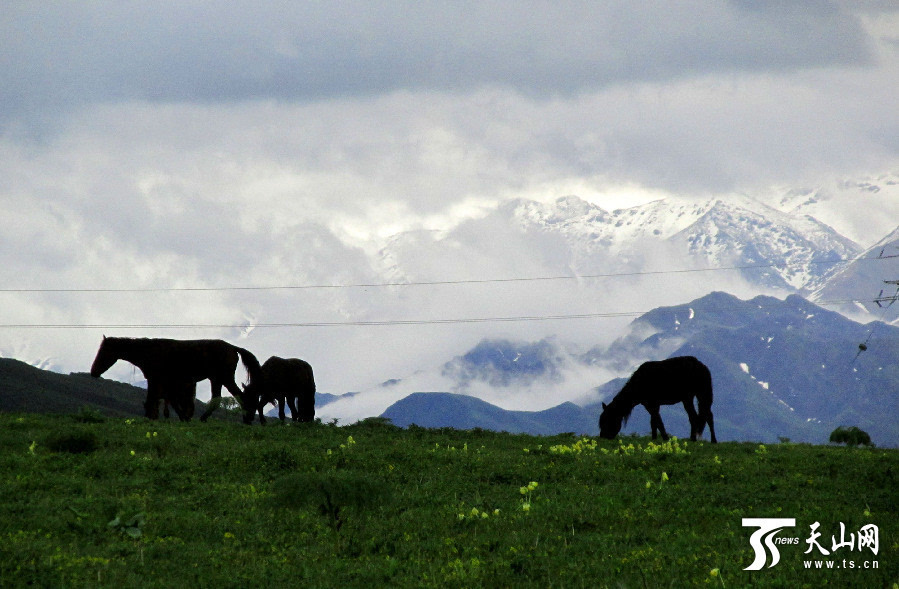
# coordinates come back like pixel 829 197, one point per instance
pixel 782 369
pixel 772 249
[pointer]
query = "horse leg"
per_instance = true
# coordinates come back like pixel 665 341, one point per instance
pixel 191 397
pixel 278 399
pixel 260 409
pixel 655 420
pixel 214 400
pixel 183 400
pixel 307 402
pixel 151 404
pixel 695 425
pixel 706 417
pixel 292 403
pixel 187 410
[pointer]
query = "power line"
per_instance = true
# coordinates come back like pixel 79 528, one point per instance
pixel 382 323
pixel 323 323
pixel 429 283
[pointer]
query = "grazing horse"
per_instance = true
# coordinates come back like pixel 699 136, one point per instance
pixel 283 380
pixel 173 367
pixel 675 380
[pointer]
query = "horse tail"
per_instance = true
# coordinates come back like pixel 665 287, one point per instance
pixel 704 397
pixel 254 369
pixel 704 376
pixel 311 378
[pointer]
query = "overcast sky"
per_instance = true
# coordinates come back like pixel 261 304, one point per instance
pixel 243 143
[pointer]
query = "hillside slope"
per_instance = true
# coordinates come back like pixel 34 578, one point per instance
pixel 864 278
pixel 26 389
pixel 463 412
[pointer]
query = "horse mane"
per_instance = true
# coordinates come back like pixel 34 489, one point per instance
pixel 622 404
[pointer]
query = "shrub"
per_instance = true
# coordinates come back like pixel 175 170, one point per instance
pixel 376 423
pixel 74 442
pixel 851 436
pixel 89 414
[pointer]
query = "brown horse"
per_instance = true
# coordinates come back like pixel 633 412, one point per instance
pixel 285 380
pixel 173 367
pixel 667 382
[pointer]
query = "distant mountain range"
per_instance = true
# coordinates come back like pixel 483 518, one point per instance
pixel 789 251
pixel 436 410
pixel 781 369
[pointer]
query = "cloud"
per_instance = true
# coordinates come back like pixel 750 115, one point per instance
pixel 283 144
pixel 70 55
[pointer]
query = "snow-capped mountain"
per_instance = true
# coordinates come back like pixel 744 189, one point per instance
pixel 861 281
pixel 502 363
pixel 846 205
pixel 769 248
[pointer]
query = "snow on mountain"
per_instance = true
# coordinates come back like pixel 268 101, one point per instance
pixel 846 205
pixel 859 282
pixel 570 236
pixel 798 248
pixel 501 363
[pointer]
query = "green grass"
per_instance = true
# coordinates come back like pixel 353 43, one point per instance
pixel 134 503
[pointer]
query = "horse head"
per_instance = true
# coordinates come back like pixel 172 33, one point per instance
pixel 609 423
pixel 106 357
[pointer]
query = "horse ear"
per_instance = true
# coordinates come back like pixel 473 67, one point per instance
pixel 604 406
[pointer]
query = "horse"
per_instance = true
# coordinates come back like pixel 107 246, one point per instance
pixel 173 367
pixel 182 401
pixel 666 382
pixel 287 380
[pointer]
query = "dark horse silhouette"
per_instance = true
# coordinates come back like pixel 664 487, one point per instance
pixel 182 400
pixel 675 380
pixel 173 367
pixel 283 380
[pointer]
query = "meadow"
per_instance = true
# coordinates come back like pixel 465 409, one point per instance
pixel 89 501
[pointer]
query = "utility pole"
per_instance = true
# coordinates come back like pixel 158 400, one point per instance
pixel 885 301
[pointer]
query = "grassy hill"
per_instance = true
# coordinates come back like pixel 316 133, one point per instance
pixel 135 503
pixel 26 389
